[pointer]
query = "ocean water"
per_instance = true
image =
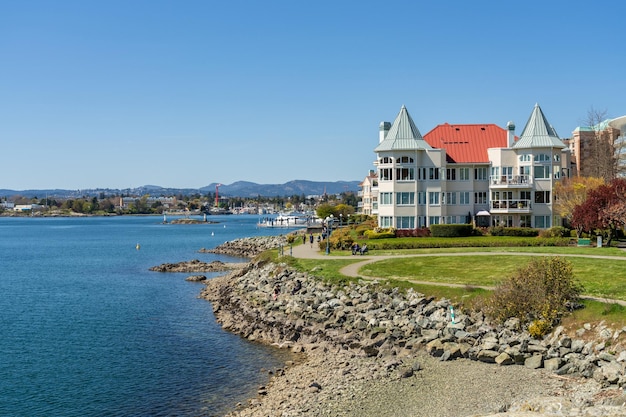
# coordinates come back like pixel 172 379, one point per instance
pixel 87 330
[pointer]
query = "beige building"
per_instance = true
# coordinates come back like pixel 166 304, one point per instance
pixel 369 195
pixel 465 173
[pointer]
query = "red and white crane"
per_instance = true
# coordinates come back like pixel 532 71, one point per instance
pixel 217 199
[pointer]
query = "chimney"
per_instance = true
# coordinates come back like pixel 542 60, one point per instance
pixel 510 127
pixel 384 128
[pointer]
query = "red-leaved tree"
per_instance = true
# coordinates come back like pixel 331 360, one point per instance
pixel 603 211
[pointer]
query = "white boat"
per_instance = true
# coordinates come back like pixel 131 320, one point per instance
pixel 291 220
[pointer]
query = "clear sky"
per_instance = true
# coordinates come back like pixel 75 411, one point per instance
pixel 125 93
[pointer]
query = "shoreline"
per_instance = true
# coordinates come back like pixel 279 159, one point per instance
pixel 356 370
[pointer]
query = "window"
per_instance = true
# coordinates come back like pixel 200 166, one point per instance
pixel 405 174
pixel 480 197
pixel 386 221
pixel 542 158
pixel 405 160
pixel 525 158
pixel 557 157
pixel 421 173
pixel 433 220
pixel 405 199
pixel 433 198
pixel 386 199
pixel 464 174
pixel 464 197
pixel 542 222
pixel 450 220
pixel 524 220
pixel 557 172
pixel 480 174
pixel 421 198
pixel 421 221
pixel 386 174
pixel 449 198
pixel 542 172
pixel 433 173
pixel 451 174
pixel 542 197
pixel 405 222
pixel 386 160
pixel 524 195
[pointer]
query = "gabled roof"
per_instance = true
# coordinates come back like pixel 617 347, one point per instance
pixel 403 135
pixel 467 143
pixel 538 133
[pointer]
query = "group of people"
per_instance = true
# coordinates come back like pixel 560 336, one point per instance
pixel 356 249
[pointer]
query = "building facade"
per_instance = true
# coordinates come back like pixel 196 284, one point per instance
pixel 368 193
pixel 468 173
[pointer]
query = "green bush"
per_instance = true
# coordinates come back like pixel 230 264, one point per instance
pixel 543 290
pixel 513 231
pixel 451 230
pixel 556 231
pixel 380 233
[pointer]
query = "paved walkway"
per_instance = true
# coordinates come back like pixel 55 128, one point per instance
pixel 307 252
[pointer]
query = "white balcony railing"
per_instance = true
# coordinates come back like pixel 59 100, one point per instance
pixel 513 206
pixel 523 180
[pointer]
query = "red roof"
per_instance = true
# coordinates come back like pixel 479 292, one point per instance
pixel 467 143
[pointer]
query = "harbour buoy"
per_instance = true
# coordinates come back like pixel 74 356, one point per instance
pixel 212 234
pixel 137 247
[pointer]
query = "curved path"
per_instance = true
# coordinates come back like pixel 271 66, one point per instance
pixel 307 252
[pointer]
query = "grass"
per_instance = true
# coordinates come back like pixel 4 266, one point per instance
pixel 599 277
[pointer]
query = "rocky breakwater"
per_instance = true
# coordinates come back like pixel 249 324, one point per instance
pixel 386 329
pixel 247 247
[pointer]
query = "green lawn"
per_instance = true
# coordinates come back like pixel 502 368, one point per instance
pixel 599 277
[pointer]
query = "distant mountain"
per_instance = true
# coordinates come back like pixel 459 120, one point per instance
pixel 244 189
pixel 296 187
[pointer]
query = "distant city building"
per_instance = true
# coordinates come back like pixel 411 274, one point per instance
pixel 582 146
pixel 369 195
pixel 469 173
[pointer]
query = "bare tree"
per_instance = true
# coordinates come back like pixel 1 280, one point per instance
pixel 601 157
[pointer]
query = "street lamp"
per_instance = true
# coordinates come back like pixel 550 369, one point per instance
pixel 329 229
pixel 340 219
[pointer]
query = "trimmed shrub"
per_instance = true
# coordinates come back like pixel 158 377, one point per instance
pixel 513 231
pixel 421 232
pixel 341 239
pixel 543 290
pixel 556 231
pixel 451 230
pixel 379 233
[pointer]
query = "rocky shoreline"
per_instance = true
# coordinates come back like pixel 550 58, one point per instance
pixel 247 247
pixel 375 351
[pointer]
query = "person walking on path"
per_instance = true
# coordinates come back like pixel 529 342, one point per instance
pixel 311 239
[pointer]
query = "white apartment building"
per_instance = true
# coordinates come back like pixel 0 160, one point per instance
pixel 468 173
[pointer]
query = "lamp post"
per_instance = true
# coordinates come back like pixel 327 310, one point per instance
pixel 340 219
pixel 329 229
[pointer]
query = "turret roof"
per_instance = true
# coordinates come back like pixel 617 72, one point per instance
pixel 403 135
pixel 538 133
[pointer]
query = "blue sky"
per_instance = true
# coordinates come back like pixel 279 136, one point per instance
pixel 120 94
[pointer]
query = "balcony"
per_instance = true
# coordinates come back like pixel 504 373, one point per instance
pixel 510 181
pixel 510 206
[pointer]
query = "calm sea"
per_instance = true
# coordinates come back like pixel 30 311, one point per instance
pixel 87 330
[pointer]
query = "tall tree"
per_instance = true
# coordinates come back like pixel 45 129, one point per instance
pixel 572 192
pixel 603 211
pixel 602 160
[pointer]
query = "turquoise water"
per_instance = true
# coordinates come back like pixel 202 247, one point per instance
pixel 87 330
